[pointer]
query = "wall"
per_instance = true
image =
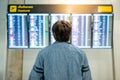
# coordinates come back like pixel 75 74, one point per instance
pixel 116 4
pixel 100 60
pixel 14 57
pixel 3 38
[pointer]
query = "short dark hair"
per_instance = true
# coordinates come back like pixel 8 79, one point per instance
pixel 61 31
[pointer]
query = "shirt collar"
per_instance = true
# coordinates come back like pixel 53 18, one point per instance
pixel 61 42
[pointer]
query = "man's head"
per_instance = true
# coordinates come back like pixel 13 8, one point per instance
pixel 62 31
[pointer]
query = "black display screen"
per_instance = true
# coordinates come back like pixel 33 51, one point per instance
pixel 92 30
pixel 102 31
pixel 38 30
pixel 81 30
pixel 34 30
pixel 17 31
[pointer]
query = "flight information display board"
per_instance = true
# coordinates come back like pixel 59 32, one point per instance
pixel 17 31
pixel 38 30
pixel 54 18
pixel 30 26
pixel 102 30
pixel 81 30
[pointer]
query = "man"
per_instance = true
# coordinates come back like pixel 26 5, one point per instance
pixel 61 60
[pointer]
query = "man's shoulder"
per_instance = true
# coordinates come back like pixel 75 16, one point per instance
pixel 76 48
pixel 45 49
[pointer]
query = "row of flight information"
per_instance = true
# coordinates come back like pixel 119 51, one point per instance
pixel 34 30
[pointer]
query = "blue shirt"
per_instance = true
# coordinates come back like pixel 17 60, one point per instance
pixel 61 61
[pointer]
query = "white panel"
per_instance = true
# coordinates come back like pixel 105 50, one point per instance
pixel 3 49
pixel 80 1
pixel 3 38
pixel 29 57
pixel 68 1
pixel 36 1
pixel 3 7
pixel 15 1
pixel 100 61
pixel 116 9
pixel 117 47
